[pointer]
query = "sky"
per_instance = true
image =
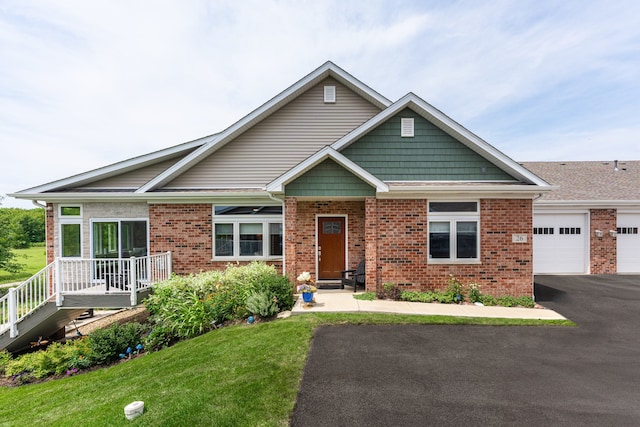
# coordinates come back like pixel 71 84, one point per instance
pixel 84 84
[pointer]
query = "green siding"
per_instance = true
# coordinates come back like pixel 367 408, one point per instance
pixel 431 155
pixel 329 179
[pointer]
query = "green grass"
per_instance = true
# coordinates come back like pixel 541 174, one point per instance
pixel 34 260
pixel 236 376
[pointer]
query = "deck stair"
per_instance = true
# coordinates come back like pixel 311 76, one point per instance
pixel 60 292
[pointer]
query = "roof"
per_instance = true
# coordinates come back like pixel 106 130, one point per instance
pixel 589 181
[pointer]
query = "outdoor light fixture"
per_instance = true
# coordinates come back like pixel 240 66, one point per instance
pixel 598 233
pixel 613 233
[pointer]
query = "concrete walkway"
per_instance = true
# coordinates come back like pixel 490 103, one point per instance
pixel 341 301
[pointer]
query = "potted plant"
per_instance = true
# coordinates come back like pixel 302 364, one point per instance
pixel 306 287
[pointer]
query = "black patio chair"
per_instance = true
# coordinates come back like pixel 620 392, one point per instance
pixel 353 277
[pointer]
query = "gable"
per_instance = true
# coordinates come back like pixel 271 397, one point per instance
pixel 129 180
pixel 328 178
pixel 280 141
pixel 430 155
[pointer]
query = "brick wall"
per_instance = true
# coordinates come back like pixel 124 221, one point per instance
pixel 603 249
pixel 49 232
pixel 505 269
pixel 300 232
pixel 185 230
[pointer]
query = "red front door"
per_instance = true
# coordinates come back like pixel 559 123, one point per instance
pixel 331 247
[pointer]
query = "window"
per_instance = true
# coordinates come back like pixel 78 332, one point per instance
pixel 70 231
pixel 542 230
pixel 569 230
pixel 454 232
pixel 329 94
pixel 627 230
pixel 406 127
pixel 70 240
pixel 247 232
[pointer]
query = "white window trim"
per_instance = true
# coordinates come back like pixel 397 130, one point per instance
pixel 452 218
pixel 119 221
pixel 236 220
pixel 66 220
pixel 407 127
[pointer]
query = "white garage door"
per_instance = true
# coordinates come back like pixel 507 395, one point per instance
pixel 628 243
pixel 560 243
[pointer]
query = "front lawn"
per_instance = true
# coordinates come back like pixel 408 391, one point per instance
pixel 238 375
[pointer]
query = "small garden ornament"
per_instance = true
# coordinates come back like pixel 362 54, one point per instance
pixel 306 288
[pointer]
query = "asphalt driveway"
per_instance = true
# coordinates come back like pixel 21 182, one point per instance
pixel 364 375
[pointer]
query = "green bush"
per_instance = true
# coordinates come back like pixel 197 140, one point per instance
pixel 5 357
pixel 262 304
pixel 183 307
pixel 39 364
pixel 488 300
pixel 160 337
pixel 106 344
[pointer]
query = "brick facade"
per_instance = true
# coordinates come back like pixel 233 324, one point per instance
pixel 603 249
pixel 185 230
pixel 392 236
pixel 300 232
pixel 505 268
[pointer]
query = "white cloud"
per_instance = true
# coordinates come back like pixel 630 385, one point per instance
pixel 85 84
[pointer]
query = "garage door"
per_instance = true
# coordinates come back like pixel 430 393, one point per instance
pixel 560 243
pixel 628 243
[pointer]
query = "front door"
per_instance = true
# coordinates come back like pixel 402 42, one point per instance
pixel 331 247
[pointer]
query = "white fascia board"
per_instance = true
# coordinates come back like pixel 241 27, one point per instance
pixel 116 168
pixel 277 186
pixel 238 197
pixel 448 125
pixel 463 191
pixel 586 204
pixel 322 72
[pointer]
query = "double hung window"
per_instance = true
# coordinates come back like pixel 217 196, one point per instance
pixel 247 232
pixel 454 235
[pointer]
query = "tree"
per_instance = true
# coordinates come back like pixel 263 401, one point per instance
pixel 7 258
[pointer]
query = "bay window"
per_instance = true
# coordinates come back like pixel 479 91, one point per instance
pixel 454 232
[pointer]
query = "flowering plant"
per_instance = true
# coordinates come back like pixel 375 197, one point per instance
pixel 307 283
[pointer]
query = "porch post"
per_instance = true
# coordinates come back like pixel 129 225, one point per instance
pixel 58 281
pixel 371 243
pixel 13 313
pixel 133 278
pixel 169 265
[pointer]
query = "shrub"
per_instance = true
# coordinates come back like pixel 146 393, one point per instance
pixel 390 291
pixel 474 293
pixel 5 357
pixel 39 364
pixel 106 344
pixel 262 304
pixel 488 300
pixel 183 307
pixel 160 337
pixel 414 296
pixel 455 291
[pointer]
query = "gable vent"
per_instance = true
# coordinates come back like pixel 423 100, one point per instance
pixel 406 127
pixel 329 94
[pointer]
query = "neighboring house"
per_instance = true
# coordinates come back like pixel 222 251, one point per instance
pixel 590 223
pixel 324 175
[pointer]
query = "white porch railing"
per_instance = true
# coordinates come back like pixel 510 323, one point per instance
pixel 82 276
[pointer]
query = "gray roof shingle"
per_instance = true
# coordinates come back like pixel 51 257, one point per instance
pixel 596 180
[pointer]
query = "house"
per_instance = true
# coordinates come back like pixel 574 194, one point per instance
pixel 324 175
pixel 589 225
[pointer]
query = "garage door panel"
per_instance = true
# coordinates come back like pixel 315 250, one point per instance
pixel 559 244
pixel 628 243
